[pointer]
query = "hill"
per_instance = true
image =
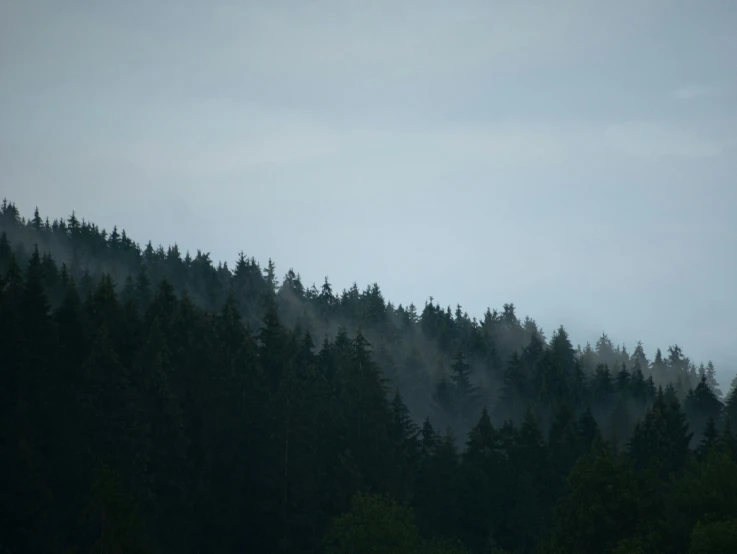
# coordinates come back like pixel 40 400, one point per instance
pixel 159 401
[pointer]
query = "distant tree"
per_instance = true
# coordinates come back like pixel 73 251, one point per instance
pixel 515 391
pixel 464 392
pixel 184 406
pixel 701 405
pixel 563 350
pixel 711 380
pixel 270 276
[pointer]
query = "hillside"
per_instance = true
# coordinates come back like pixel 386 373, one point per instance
pixel 155 400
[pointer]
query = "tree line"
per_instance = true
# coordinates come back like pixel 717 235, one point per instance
pixel 158 402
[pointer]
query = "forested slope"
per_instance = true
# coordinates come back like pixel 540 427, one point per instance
pixel 154 401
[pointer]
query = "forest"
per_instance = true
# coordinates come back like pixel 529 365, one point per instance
pixel 155 401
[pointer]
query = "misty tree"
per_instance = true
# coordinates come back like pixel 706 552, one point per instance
pixel 166 396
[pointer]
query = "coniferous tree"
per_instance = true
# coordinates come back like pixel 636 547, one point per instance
pixel 437 507
pixel 606 485
pixel 727 441
pixel 730 408
pixel 183 405
pixel 465 396
pixel 711 380
pixel 701 405
pixel 564 442
pixel 662 438
pixel 710 439
pixel 515 390
pixel 484 483
pixel 588 430
pixel 405 440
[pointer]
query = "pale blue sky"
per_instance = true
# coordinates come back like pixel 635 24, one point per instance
pixel 577 158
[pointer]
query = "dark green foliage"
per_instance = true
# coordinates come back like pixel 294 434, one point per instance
pixel 707 490
pixel 588 430
pixel 374 525
pixel 662 437
pixel 113 515
pixel 717 537
pixel 155 402
pixel 515 389
pixel 601 507
pixel 485 482
pixel 437 500
pixel 702 405
pixel 405 438
pixel 710 439
pixel 730 408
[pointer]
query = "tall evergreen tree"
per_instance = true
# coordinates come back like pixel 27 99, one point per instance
pixel 662 438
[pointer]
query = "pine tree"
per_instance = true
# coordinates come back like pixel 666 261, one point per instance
pixel 565 446
pixel 710 439
pixel 160 412
pixel 143 290
pixel 588 430
pixel 103 309
pixel 602 387
pixel 532 477
pixel 271 350
pixel 711 380
pixel 622 381
pixel 405 441
pixel 24 504
pixel 437 501
pixel 730 407
pixel 36 375
pixel 515 390
pixel 484 483
pixel 563 350
pixel 606 486
pixel 444 401
pixel 270 277
pixel 658 368
pixel 6 253
pixel 662 438
pixel 605 351
pixel 727 441
pixel 107 403
pixel 428 439
pixel 706 492
pixel 166 444
pixel 413 378
pixel 327 300
pixel 464 392
pixel 701 405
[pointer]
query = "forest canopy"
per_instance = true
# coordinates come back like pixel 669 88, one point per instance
pixel 158 401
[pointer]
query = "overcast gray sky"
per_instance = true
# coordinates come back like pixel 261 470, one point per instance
pixel 577 158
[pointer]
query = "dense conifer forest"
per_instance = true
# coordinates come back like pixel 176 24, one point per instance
pixel 157 401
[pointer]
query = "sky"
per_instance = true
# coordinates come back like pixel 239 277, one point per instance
pixel 577 158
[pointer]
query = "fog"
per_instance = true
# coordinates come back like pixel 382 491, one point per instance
pixel 576 159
